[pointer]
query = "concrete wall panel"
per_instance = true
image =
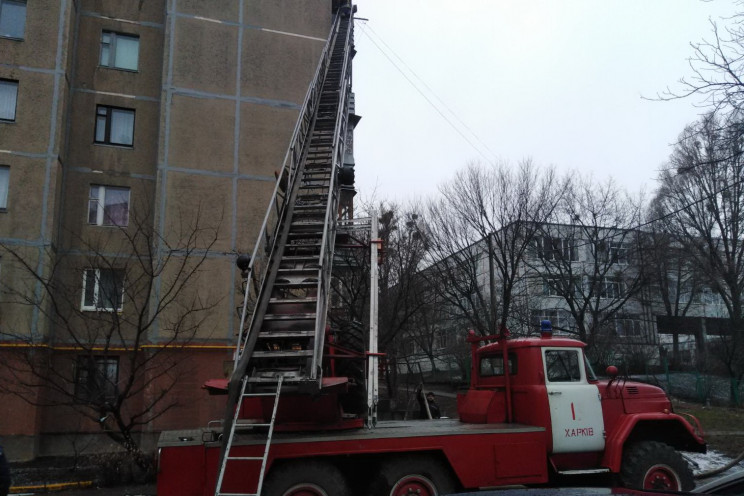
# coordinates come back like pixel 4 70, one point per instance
pixel 305 17
pixel 202 199
pixel 141 11
pixel 205 56
pixel 223 10
pixel 265 133
pixel 146 81
pixel 202 133
pixel 139 159
pixel 278 67
pixel 42 19
pixel 25 196
pixel 30 131
pixel 77 234
pixel 253 197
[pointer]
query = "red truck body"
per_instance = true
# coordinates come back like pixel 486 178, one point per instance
pixel 547 416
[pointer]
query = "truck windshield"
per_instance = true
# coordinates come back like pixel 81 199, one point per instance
pixel 590 376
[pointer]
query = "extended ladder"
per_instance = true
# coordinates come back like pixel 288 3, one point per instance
pixel 287 328
pixel 237 425
pixel 283 324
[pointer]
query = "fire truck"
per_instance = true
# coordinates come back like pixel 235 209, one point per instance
pixel 300 421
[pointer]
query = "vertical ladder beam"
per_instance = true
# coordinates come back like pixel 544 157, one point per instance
pixel 329 230
pixel 372 372
pixel 225 458
pixel 267 446
pixel 268 440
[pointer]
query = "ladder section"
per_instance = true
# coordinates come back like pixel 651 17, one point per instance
pixel 287 331
pixel 238 426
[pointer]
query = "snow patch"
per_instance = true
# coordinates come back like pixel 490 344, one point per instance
pixel 700 462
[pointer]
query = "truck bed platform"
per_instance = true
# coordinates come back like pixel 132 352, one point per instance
pixel 384 430
pixel 481 455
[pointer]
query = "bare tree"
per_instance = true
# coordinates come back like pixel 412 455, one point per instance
pixel 587 256
pixel 701 198
pixel 123 307
pixel 402 289
pixel 717 69
pixel 671 276
pixel 479 232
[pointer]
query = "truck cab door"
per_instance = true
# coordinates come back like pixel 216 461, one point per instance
pixel 575 405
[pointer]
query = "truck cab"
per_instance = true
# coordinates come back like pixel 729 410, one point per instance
pixel 591 425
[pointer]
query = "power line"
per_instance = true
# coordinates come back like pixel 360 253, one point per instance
pixel 433 105
pixel 433 93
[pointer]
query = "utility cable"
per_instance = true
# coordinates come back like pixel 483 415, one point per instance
pixel 429 101
pixel 433 93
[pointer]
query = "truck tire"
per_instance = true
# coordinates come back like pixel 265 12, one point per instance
pixel 655 465
pixel 405 475
pixel 305 478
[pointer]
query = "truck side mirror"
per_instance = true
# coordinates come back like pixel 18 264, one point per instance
pixel 611 371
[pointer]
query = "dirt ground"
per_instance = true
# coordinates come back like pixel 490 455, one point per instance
pixel 723 426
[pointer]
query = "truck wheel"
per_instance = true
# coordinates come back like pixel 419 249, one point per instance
pixel 310 478
pixel 423 476
pixel 655 465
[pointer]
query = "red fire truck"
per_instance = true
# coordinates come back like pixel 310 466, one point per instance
pixel 294 422
pixel 534 413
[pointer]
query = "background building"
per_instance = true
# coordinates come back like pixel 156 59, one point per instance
pixel 135 131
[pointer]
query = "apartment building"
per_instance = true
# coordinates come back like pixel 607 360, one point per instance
pixel 589 281
pixel 131 133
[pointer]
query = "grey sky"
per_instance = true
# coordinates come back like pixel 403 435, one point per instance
pixel 559 81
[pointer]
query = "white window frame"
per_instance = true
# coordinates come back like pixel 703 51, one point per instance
pixel 618 252
pixel 12 86
pixel 556 248
pixel 99 203
pixel 611 288
pixel 94 306
pixel 4 188
pixel 14 36
pixel 551 286
pixel 111 45
pixel 629 326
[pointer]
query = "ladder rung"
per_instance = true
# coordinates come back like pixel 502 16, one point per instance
pixel 293 300
pixel 282 354
pixel 285 334
pixel 250 426
pixel 290 316
pixel 245 458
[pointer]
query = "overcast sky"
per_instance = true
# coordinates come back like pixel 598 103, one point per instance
pixel 558 81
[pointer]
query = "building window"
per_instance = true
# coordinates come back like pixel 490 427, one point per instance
pixel 551 286
pixel 8 99
pixel 618 252
pixel 114 126
pixel 12 18
pixel 556 249
pixel 119 51
pixel 629 326
pixel 96 379
pixel 4 186
pixel 610 287
pixel 103 289
pixel 108 206
pixel 560 286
